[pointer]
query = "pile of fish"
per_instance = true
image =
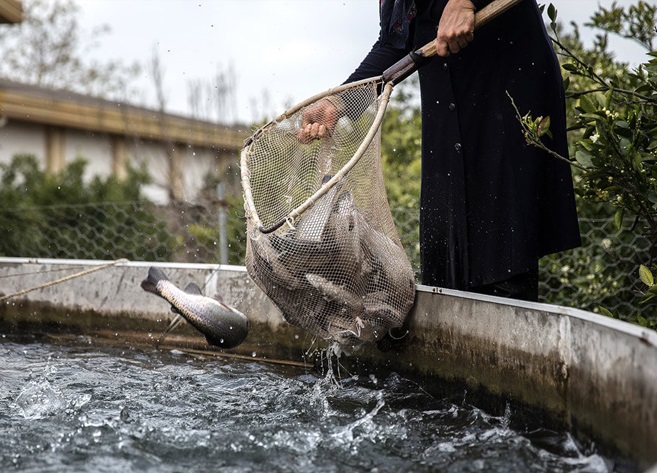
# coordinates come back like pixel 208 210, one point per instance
pixel 334 274
pixel 223 325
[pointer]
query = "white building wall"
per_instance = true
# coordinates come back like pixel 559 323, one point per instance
pixel 27 138
pixel 94 148
pixel 197 165
pixel 153 156
pixel 22 138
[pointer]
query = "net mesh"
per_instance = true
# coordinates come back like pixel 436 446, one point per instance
pixel 338 270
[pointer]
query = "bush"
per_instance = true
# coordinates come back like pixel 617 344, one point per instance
pixel 61 216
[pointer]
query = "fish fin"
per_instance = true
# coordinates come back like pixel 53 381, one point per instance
pixel 178 319
pixel 155 275
pixel 192 288
pixel 175 310
pixel 217 297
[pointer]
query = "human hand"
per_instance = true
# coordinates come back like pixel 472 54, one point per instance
pixel 456 27
pixel 318 121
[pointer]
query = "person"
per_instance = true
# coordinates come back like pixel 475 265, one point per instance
pixel 491 205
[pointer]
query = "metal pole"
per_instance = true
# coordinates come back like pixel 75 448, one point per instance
pixel 223 239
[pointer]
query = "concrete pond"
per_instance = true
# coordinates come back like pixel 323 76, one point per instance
pixel 593 375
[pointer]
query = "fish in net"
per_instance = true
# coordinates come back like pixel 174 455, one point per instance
pixel 339 269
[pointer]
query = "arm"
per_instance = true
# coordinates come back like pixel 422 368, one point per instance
pixel 377 60
pixel 320 118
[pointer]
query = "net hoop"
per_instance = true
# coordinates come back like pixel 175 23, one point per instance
pixel 249 205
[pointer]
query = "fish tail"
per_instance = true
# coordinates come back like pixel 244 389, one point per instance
pixel 154 276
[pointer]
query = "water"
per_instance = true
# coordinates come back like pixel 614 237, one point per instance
pixel 85 408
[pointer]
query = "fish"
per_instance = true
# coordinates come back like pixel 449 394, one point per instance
pixel 334 274
pixel 310 226
pixel 222 325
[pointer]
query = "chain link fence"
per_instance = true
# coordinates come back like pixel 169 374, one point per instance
pixel 602 273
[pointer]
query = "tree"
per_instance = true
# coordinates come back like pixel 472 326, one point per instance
pixel 401 140
pixel 214 99
pixel 613 131
pixel 48 50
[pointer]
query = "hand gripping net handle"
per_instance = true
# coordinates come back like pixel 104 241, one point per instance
pixel 409 64
pixel 393 75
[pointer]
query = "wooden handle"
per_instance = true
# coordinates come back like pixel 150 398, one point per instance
pixel 483 16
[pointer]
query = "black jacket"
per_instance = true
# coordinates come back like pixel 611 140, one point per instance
pixel 491 204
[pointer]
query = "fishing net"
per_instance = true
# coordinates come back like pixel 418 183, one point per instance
pixel 321 242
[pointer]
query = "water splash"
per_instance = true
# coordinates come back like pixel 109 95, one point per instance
pixel 39 399
pixel 363 428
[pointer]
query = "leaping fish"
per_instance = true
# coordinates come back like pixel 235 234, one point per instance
pixel 223 325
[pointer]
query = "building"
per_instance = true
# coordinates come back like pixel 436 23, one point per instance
pixel 58 126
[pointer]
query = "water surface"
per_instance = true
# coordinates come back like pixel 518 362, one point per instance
pixel 85 408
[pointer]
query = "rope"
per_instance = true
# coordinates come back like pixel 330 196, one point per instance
pixel 28 273
pixel 64 279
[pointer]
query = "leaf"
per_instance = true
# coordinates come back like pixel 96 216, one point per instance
pixel 583 157
pixel 647 299
pixel 618 219
pixel 646 276
pixel 605 312
pixel 608 96
pixel 652 197
pixel 624 145
pixel 570 67
pixel 592 116
pixel 586 145
pixel 587 104
pixel 544 127
pixel 552 13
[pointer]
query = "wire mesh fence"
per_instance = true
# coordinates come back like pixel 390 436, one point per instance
pixel 601 273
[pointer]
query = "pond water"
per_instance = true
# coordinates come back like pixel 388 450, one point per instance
pixel 81 407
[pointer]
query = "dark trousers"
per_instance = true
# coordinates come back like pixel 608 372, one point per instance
pixel 522 286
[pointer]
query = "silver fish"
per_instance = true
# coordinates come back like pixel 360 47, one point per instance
pixel 310 226
pixel 223 325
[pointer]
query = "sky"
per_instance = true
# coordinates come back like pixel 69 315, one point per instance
pixel 279 51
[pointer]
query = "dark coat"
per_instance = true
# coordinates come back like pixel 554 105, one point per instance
pixel 491 204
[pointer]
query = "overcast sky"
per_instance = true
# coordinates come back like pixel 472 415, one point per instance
pixel 281 51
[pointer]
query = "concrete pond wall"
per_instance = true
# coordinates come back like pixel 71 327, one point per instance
pixel 591 374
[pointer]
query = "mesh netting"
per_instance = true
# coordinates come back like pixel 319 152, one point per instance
pixel 337 270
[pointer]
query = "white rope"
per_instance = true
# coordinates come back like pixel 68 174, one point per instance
pixel 64 279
